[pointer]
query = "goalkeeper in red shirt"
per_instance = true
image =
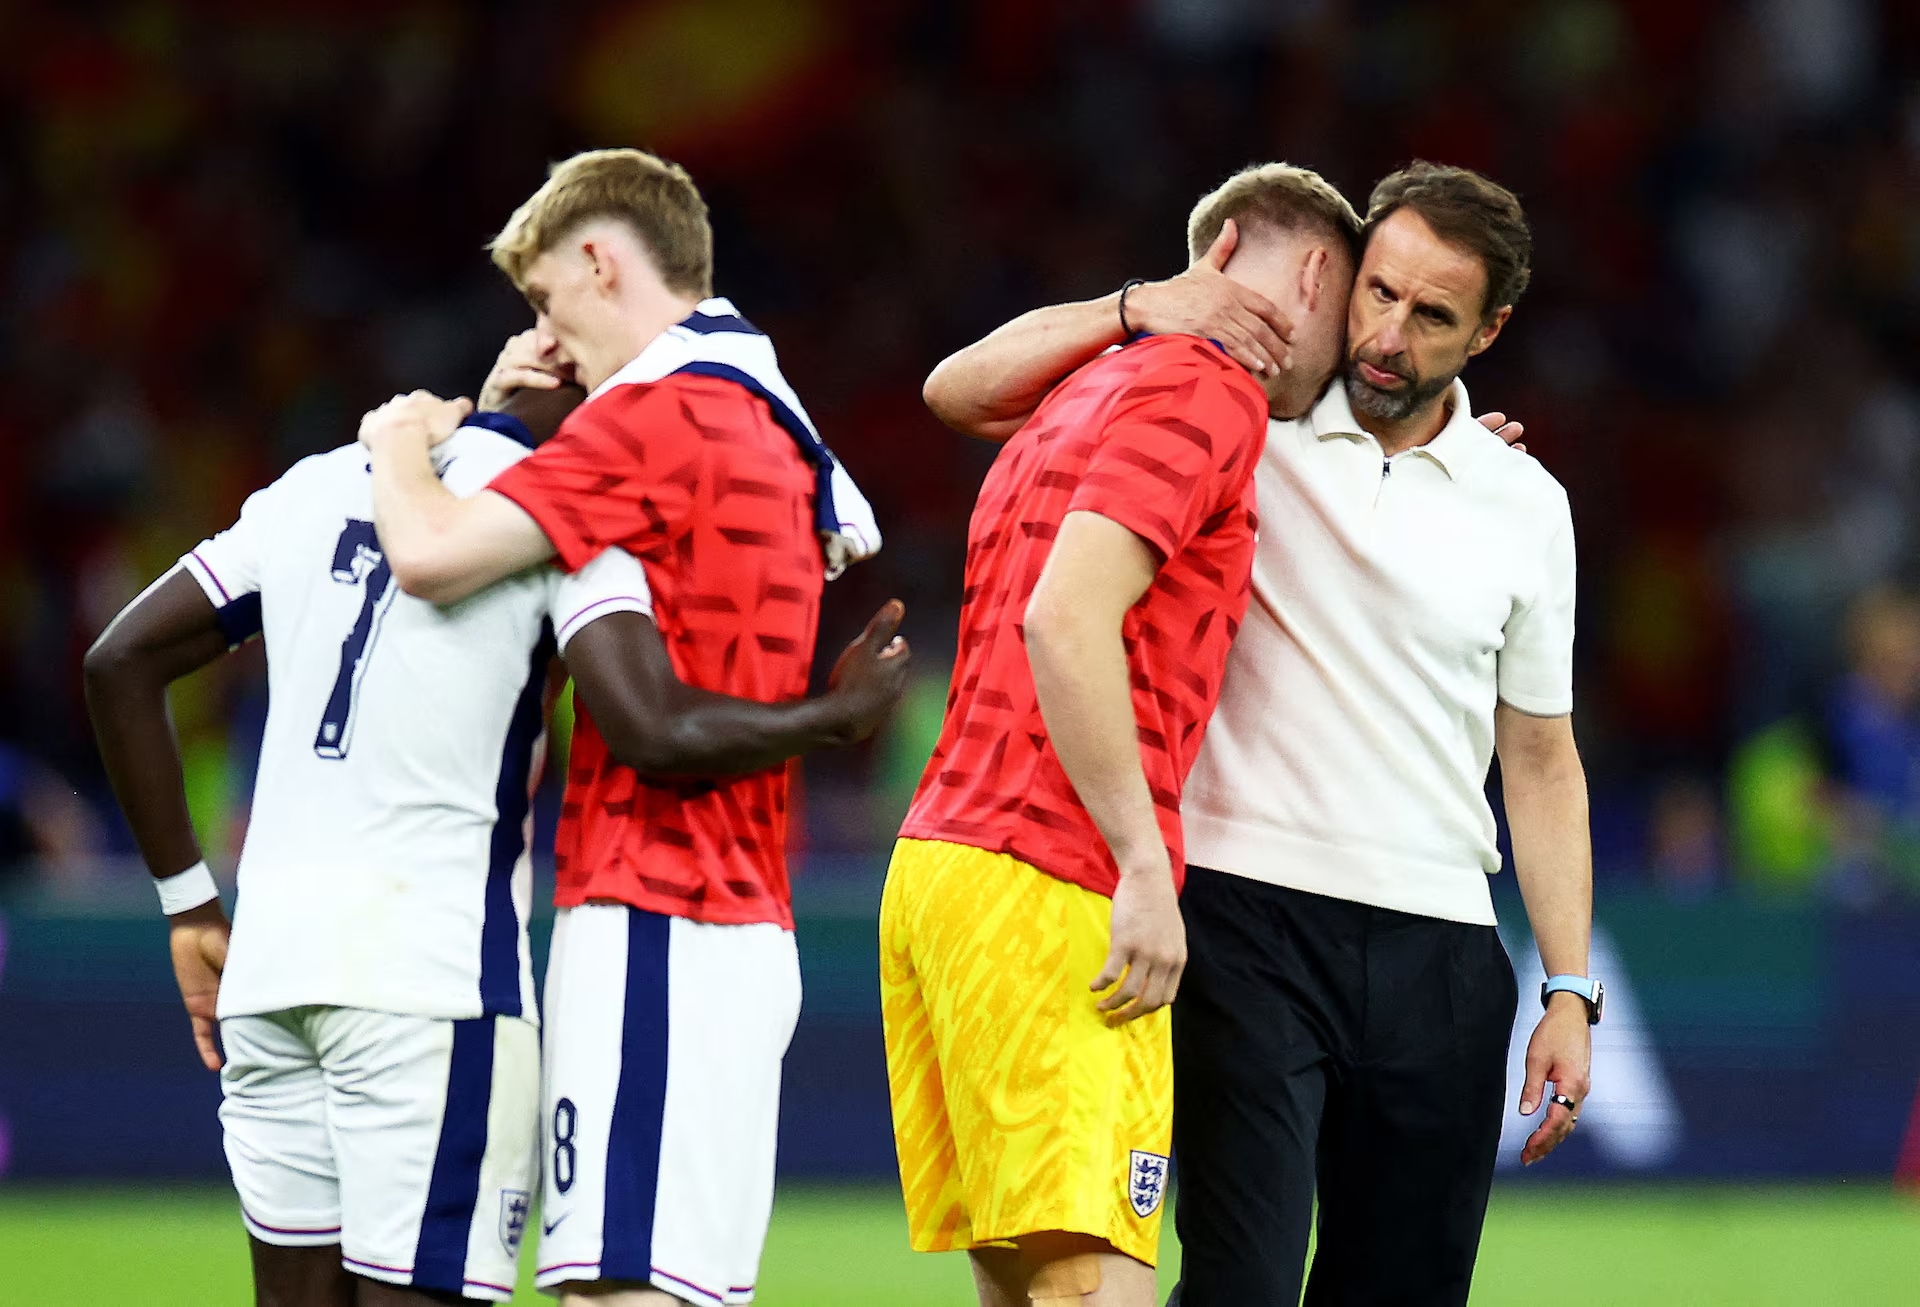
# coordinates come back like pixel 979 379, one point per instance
pixel 1107 571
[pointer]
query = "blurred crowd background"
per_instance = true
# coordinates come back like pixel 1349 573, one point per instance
pixel 226 229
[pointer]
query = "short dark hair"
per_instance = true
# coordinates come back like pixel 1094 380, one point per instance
pixel 1465 209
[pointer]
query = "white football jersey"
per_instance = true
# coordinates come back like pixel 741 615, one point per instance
pixel 386 859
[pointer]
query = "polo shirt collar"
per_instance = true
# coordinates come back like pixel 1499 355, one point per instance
pixel 1333 418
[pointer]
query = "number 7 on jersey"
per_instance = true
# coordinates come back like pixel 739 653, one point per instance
pixel 357 560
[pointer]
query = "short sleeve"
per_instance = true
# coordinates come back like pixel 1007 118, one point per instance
pixel 1177 448
pixel 1536 664
pixel 622 470
pixel 612 583
pixel 229 566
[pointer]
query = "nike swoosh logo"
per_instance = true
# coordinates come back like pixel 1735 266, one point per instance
pixel 548 1227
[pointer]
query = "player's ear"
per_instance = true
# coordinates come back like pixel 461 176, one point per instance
pixel 1489 331
pixel 600 263
pixel 1313 273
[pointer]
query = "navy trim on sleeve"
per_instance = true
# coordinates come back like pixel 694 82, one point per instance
pixel 505 424
pixel 239 621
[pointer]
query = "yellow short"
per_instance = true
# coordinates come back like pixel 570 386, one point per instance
pixel 1016 1107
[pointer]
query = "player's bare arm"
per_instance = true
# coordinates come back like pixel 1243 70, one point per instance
pixel 1096 571
pixel 441 548
pixel 1545 788
pixel 653 721
pixel 659 725
pixel 167 632
pixel 990 388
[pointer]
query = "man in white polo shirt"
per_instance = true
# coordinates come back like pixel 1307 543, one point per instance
pixel 1344 1015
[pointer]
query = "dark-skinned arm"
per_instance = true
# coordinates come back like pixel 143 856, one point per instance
pixel 659 725
pixel 653 721
pixel 164 634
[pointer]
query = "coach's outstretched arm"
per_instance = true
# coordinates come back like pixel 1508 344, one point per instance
pixel 1545 787
pixel 165 633
pixel 659 725
pixel 990 388
pixel 1096 571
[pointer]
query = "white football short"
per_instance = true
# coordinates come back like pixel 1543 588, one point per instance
pixel 409 1141
pixel 661 1099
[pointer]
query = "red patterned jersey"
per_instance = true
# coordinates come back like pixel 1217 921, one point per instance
pixel 692 476
pixel 1161 437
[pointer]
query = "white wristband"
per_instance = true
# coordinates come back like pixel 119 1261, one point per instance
pixel 188 889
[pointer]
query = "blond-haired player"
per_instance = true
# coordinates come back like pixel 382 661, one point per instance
pixel 674 984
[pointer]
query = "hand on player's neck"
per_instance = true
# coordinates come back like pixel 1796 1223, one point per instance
pixel 1308 280
pixel 1292 395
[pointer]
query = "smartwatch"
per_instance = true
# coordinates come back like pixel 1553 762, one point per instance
pixel 1592 991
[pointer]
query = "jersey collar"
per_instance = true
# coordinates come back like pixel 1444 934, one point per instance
pixel 1332 418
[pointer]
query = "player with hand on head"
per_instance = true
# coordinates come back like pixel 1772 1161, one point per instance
pixel 1412 615
pixel 1031 935
pixel 990 388
pixel 674 984
pixel 374 993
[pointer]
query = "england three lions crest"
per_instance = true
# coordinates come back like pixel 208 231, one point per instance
pixel 513 1219
pixel 1146 1182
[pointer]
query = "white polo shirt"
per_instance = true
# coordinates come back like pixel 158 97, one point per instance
pixel 1394 602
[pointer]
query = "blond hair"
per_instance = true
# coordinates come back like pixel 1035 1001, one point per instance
pixel 1278 196
pixel 655 198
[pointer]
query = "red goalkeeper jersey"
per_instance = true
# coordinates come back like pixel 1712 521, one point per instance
pixel 1161 437
pixel 694 477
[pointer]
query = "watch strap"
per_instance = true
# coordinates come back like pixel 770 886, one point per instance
pixel 1570 984
pixel 1589 990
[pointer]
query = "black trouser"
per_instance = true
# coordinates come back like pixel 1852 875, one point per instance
pixel 1320 1040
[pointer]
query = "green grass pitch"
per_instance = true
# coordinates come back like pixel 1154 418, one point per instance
pixel 1696 1246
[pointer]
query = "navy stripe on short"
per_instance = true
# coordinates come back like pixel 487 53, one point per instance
pixel 639 1105
pixel 440 1256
